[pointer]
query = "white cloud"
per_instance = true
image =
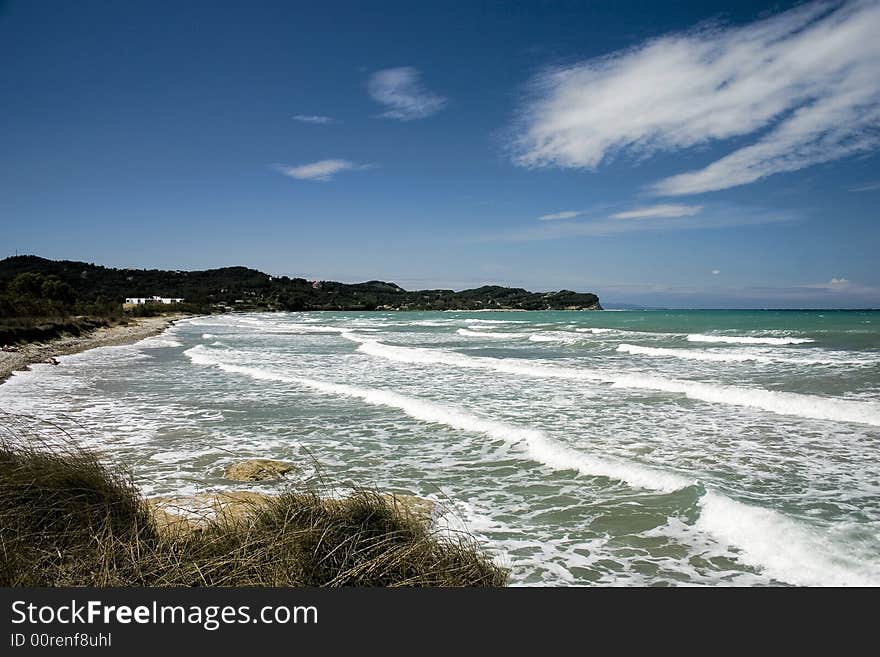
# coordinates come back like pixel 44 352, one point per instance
pixel 568 214
pixel 715 272
pixel 837 284
pixel 716 217
pixel 401 91
pixel 871 187
pixel 322 170
pixel 840 289
pixel 315 119
pixel 746 296
pixel 659 211
pixel 805 81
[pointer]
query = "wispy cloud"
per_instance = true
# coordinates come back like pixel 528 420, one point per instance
pixel 805 81
pixel 568 214
pixel 322 170
pixel 659 211
pixel 314 119
pixel 721 216
pixel 839 287
pixel 836 284
pixel 747 296
pixel 715 272
pixel 402 93
pixel 871 187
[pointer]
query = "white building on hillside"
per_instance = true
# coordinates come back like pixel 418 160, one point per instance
pixel 137 301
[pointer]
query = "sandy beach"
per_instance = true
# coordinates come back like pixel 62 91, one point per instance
pixel 41 352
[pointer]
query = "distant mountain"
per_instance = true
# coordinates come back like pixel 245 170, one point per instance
pixel 248 289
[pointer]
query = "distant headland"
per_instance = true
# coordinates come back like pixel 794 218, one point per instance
pixel 35 286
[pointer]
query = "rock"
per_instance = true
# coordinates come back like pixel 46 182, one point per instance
pixel 417 507
pixel 194 512
pixel 258 470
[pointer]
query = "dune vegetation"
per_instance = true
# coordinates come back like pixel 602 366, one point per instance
pixel 68 520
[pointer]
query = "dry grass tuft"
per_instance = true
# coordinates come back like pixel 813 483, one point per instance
pixel 65 520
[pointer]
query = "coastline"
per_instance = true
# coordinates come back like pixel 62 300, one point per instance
pixel 41 352
pixel 137 329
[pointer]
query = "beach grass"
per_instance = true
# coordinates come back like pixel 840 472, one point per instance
pixel 68 520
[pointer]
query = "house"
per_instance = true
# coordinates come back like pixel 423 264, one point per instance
pixel 130 302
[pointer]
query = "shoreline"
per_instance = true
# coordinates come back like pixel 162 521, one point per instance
pixel 41 352
pixel 35 353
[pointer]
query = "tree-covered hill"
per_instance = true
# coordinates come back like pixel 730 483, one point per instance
pixel 30 285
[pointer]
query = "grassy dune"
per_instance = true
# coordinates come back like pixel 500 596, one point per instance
pixel 66 520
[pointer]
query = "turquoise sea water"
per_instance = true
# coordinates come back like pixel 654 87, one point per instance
pixel 623 448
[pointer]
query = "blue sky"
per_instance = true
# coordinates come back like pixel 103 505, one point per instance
pixel 705 154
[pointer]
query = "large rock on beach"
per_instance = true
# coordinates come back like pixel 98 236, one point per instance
pixel 174 513
pixel 258 470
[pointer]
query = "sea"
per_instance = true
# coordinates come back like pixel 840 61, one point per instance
pixel 628 448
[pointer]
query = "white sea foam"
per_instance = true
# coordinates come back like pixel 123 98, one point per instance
pixel 763 524
pixel 784 403
pixel 731 339
pixel 487 334
pixel 687 354
pixel 538 445
pixel 739 356
pixel 782 547
pixel 785 549
pixel 298 329
pixel 556 336
pixel 619 332
pixel 480 334
pixel 158 342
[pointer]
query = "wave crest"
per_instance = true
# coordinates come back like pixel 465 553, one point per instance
pixel 734 339
pixel 782 403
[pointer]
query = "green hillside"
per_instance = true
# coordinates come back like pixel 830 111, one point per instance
pixel 34 286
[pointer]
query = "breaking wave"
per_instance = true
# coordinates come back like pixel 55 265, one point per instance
pixel 735 357
pixel 782 547
pixel 783 403
pixel 486 334
pixel 731 339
